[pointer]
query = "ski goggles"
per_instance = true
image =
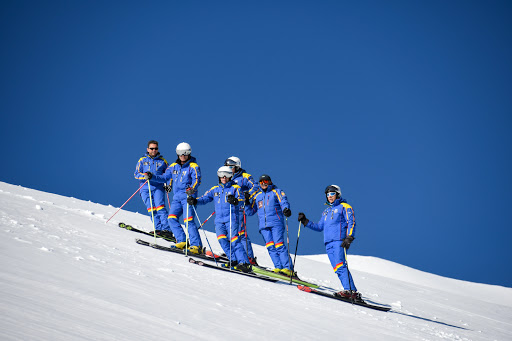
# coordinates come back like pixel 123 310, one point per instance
pixel 265 182
pixel 331 194
pixel 224 175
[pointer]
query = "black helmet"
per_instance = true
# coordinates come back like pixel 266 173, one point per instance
pixel 333 188
pixel 265 177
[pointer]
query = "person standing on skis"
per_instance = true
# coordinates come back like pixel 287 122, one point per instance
pixel 247 184
pixel 227 196
pixel 272 206
pixel 153 163
pixel 338 223
pixel 183 177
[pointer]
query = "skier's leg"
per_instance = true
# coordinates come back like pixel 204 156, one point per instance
pixel 269 244
pixel 175 212
pixel 336 256
pixel 278 233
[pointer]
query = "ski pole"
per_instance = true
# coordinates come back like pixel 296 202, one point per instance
pixel 199 220
pixel 296 247
pixel 246 241
pixel 186 235
pixel 152 211
pixel 126 202
pixel 230 236
pixel 288 248
pixel 204 222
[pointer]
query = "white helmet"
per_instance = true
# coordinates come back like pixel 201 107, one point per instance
pixel 333 188
pixel 233 161
pixel 224 171
pixel 183 149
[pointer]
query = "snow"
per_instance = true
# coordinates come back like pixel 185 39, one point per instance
pixel 67 275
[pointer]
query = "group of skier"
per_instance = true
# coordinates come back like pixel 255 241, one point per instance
pixel 237 196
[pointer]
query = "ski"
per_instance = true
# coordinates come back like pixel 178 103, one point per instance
pixel 267 272
pixel 175 250
pixel 249 274
pixel 131 228
pixel 331 295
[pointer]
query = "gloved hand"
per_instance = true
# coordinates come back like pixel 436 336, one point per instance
pixel 347 241
pixel 191 201
pixel 303 219
pixel 168 188
pixel 287 212
pixel 148 175
pixel 232 200
pixel 247 196
pixel 190 191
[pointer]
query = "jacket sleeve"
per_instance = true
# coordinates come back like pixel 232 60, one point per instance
pixel 206 198
pixel 195 174
pixel 164 178
pixel 239 195
pixel 351 221
pixel 139 170
pixel 316 227
pixel 282 199
pixel 251 184
pixel 252 208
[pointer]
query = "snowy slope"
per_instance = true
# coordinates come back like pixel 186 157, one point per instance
pixel 66 275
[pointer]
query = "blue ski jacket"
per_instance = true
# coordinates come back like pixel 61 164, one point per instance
pixel 245 181
pixel 181 177
pixel 219 193
pixel 337 221
pixel 270 205
pixel 157 166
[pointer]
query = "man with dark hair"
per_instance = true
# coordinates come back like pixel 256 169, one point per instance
pixel 152 163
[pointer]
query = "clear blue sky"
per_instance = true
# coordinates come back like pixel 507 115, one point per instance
pixel 404 104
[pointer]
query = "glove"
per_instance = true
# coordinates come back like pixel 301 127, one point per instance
pixel 168 188
pixel 190 191
pixel 232 200
pixel 303 219
pixel 247 196
pixel 148 175
pixel 287 212
pixel 347 241
pixel 191 201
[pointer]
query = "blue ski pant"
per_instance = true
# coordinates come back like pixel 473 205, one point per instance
pixel 336 256
pixel 177 209
pixel 244 237
pixel 235 248
pixel 274 242
pixel 158 209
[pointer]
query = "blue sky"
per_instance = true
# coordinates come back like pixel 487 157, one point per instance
pixel 404 104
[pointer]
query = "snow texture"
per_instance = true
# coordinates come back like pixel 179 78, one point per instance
pixel 66 275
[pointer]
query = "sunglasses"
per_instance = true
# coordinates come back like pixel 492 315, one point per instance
pixel 331 194
pixel 153 148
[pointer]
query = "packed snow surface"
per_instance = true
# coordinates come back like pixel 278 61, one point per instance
pixel 67 275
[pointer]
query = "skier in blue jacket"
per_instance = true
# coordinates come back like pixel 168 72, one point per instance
pixel 227 196
pixel 272 206
pixel 247 184
pixel 184 177
pixel 338 223
pixel 153 163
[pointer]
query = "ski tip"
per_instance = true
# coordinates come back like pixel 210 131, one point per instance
pixel 304 288
pixel 121 225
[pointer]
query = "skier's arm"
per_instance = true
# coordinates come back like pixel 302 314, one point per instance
pixel 351 221
pixel 166 176
pixel 252 208
pixel 139 170
pixel 195 173
pixel 207 197
pixel 316 227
